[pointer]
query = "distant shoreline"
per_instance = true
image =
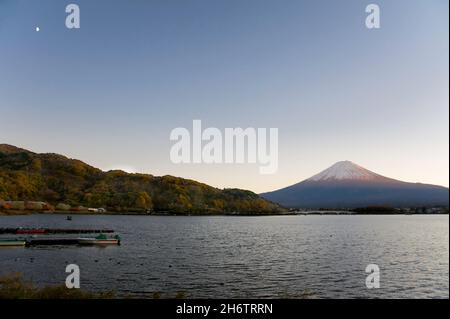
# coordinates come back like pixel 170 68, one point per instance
pixel 315 213
pixel 111 213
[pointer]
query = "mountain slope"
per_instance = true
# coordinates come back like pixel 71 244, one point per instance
pixel 347 185
pixel 54 178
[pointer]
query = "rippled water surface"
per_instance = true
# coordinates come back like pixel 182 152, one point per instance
pixel 231 257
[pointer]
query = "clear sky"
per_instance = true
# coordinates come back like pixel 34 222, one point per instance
pixel 111 92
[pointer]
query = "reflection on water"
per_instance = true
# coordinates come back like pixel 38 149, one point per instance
pixel 251 257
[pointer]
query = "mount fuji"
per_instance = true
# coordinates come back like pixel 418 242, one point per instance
pixel 348 185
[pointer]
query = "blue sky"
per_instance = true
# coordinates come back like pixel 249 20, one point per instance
pixel 111 92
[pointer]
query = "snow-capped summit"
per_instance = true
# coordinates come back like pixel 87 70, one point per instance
pixel 346 185
pixel 345 170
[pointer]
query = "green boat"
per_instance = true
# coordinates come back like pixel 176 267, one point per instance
pixel 12 242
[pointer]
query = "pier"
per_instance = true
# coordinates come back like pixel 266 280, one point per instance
pixel 43 231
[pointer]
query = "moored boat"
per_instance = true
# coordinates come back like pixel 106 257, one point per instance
pixel 12 242
pixel 100 240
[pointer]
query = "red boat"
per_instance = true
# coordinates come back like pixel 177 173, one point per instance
pixel 31 231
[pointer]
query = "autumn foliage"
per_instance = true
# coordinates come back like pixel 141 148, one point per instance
pixel 56 179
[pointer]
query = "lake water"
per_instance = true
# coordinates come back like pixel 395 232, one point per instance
pixel 247 257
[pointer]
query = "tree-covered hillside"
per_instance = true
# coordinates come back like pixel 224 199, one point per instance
pixel 55 179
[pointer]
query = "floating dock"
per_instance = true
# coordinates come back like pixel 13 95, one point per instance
pixel 43 236
pixel 48 241
pixel 100 240
pixel 52 241
pixel 43 231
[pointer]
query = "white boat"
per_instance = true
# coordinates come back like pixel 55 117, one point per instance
pixel 100 240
